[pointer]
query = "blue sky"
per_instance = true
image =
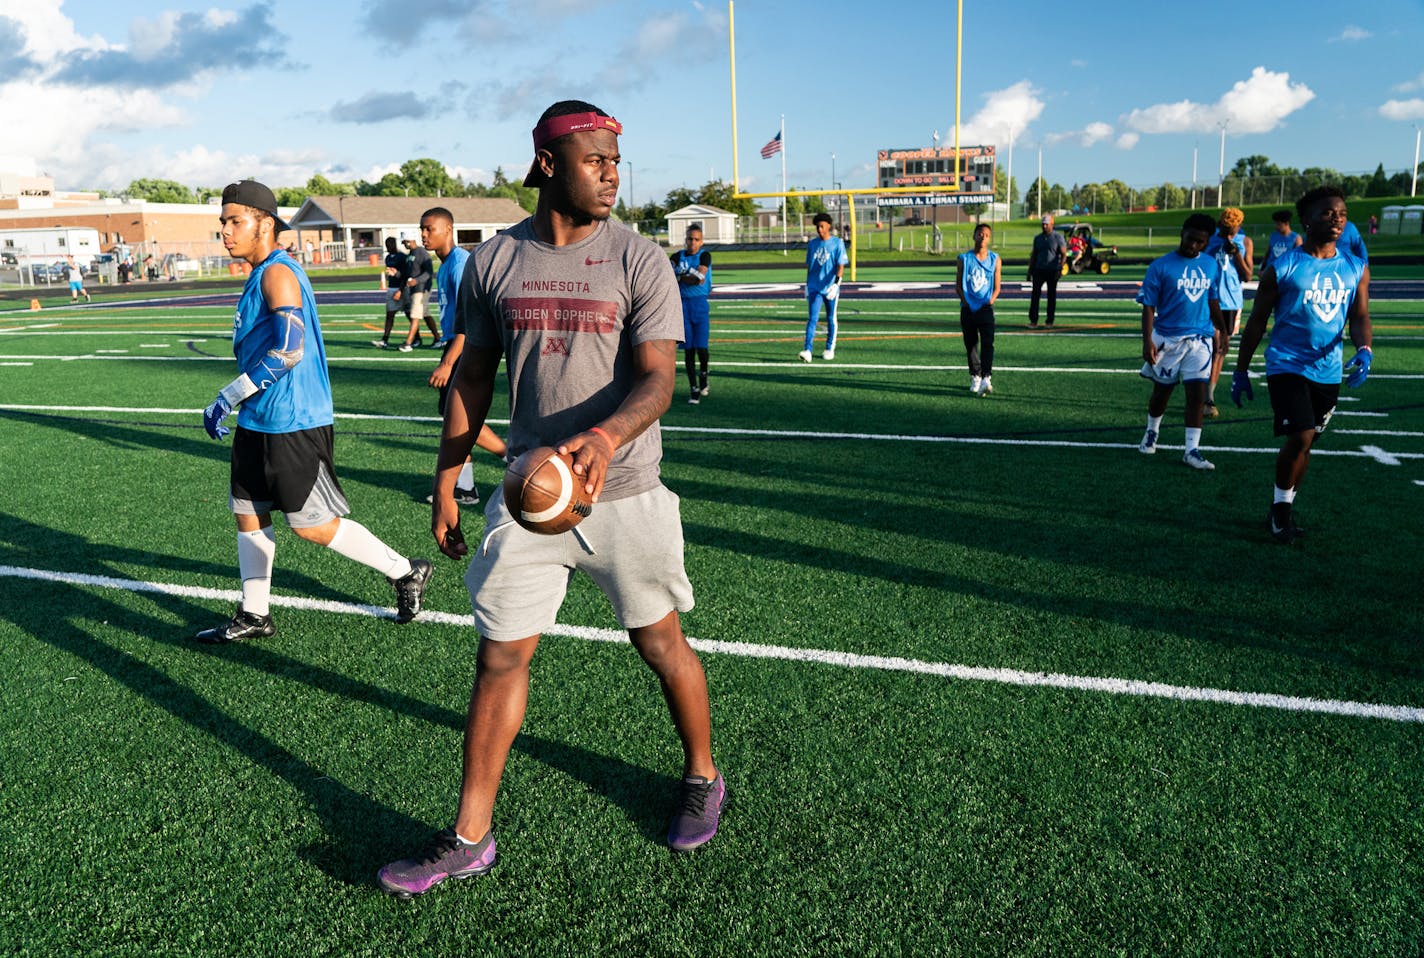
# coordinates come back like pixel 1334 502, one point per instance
pixel 206 92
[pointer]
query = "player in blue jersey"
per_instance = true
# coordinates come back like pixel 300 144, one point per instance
pixel 1181 322
pixel 1283 239
pixel 437 234
pixel 826 260
pixel 1316 290
pixel 976 282
pixel 282 455
pixel 1233 251
pixel 693 267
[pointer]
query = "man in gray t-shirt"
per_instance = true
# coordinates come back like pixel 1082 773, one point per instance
pixel 587 317
pixel 1045 265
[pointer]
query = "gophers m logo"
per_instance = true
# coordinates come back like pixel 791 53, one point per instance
pixel 1326 295
pixel 1193 283
pixel 555 347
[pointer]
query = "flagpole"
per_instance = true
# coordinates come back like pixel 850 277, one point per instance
pixel 783 184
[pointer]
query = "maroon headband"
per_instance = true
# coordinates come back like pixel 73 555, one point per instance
pixel 557 126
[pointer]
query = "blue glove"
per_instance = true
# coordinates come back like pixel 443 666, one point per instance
pixel 1241 386
pixel 213 417
pixel 1357 370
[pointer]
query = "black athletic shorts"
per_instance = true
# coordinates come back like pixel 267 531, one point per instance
pixel 445 389
pixel 1300 403
pixel 284 468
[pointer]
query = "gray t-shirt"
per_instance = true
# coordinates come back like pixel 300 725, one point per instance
pixel 1049 250
pixel 567 319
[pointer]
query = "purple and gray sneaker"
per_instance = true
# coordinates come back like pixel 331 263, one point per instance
pixel 699 808
pixel 445 857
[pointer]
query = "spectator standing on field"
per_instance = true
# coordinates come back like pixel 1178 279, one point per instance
pixel 826 260
pixel 419 277
pixel 282 450
pixel 594 388
pixel 396 299
pixel 692 265
pixel 1045 266
pixel 75 275
pixel 976 282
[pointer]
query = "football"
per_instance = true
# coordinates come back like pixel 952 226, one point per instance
pixel 543 494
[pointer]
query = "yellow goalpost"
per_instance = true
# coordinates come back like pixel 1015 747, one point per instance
pixel 848 194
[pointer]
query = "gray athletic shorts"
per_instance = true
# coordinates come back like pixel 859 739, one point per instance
pixel 631 548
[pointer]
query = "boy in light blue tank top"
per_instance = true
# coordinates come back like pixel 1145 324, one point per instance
pixel 1316 290
pixel 976 282
pixel 282 451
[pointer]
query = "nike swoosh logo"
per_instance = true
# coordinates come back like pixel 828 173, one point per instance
pixel 590 261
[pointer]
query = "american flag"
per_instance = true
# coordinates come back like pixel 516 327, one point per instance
pixel 773 147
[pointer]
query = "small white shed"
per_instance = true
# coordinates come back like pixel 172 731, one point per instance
pixel 718 225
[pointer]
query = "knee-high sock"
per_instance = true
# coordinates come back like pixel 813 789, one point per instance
pixel 255 551
pixel 356 542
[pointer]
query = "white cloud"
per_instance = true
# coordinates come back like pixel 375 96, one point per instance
pixel 1127 141
pixel 1403 109
pixel 1257 104
pixel 1089 135
pixel 1352 34
pixel 1005 112
pixel 1409 86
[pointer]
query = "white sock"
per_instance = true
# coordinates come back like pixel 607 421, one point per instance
pixel 356 542
pixel 1193 437
pixel 1284 495
pixel 1155 423
pixel 467 476
pixel 255 551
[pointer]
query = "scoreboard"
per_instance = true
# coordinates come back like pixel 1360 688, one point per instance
pixel 935 166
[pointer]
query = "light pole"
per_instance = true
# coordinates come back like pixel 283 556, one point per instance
pixel 1414 172
pixel 1221 169
pixel 1194 175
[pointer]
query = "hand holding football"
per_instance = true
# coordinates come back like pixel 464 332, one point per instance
pixel 543 494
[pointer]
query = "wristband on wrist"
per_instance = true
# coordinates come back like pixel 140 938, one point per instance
pixel 595 429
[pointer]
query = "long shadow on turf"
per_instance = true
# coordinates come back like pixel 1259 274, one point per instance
pixel 362 833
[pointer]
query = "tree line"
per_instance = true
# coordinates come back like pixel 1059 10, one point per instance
pixel 1252 180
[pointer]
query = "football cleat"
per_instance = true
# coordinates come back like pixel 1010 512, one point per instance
pixel 804 355
pixel 1282 527
pixel 986 387
pixel 974 383
pixel 1196 460
pixel 243 625
pixel 695 398
pixel 411 589
pixel 463 497
pixel 445 857
pixel 829 354
pixel 699 810
pixel 380 344
pixel 1148 445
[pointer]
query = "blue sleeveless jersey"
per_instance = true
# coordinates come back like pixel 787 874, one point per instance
pixel 683 260
pixel 302 398
pixel 1228 285
pixel 1313 300
pixel 447 280
pixel 1353 243
pixel 822 258
pixel 1277 246
pixel 1181 291
pixel 977 279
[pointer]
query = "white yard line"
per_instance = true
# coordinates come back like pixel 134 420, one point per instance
pixel 850 660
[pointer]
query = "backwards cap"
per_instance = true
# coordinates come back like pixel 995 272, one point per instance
pixel 556 126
